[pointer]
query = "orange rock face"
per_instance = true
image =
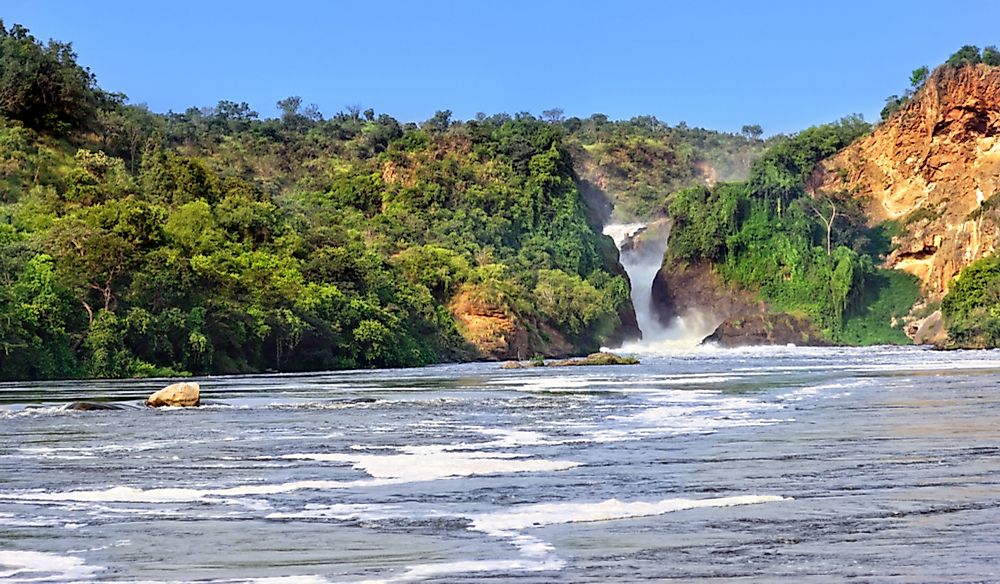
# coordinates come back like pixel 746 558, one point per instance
pixel 931 168
pixel 497 334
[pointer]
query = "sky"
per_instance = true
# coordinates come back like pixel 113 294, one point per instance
pixel 785 65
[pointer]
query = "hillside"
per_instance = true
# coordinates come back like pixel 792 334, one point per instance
pixel 914 195
pixel 214 241
pixel 932 169
pixel 629 167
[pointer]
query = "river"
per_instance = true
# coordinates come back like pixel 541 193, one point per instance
pixel 776 464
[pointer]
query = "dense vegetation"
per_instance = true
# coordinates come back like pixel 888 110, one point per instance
pixel 133 243
pixel 972 306
pixel 805 251
pixel 214 241
pixel 639 161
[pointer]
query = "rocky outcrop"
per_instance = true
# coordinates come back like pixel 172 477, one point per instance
pixel 729 316
pixel 497 334
pixel 183 395
pixel 695 291
pixel 929 330
pixel 933 168
pixel 766 329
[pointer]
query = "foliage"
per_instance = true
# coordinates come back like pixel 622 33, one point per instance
pixel 642 160
pixel 971 308
pixel 967 55
pixel 877 317
pixel 213 241
pixel 804 251
pixel 41 85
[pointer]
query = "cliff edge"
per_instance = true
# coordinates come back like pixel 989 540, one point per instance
pixel 933 168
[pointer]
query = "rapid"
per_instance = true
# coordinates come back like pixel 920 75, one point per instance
pixel 778 464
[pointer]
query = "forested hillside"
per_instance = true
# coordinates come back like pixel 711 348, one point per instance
pixel 135 243
pixel 825 212
pixel 213 241
pixel 636 163
pixel 805 252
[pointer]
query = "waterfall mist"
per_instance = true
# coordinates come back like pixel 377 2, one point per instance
pixel 641 249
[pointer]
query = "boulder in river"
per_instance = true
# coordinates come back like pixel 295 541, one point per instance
pixel 184 395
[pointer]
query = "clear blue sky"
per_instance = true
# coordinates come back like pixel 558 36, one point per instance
pixel 783 64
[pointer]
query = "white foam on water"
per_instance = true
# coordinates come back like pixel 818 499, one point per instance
pixel 539 554
pixel 826 390
pixel 123 494
pixel 513 438
pixel 429 463
pixel 32 412
pixel 504 523
pixel 12 520
pixel 342 511
pixel 675 412
pixel 301 579
pixel 551 384
pixel 442 569
pixel 84 452
pixel 424 571
pixel 413 464
pixel 29 566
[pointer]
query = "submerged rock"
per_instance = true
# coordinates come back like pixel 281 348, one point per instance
pixel 92 407
pixel 184 395
pixel 600 358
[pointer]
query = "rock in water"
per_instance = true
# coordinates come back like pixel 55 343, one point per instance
pixel 90 407
pixel 182 395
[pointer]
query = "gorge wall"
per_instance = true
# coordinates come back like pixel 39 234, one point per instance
pixel 933 168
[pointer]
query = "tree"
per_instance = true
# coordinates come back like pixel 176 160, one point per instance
pixel 289 108
pixel 991 56
pixel 918 77
pixel 752 131
pixel 554 115
pixel 968 54
pixel 826 218
pixel 439 122
pixel 42 86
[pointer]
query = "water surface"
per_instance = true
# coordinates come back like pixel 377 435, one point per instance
pixel 764 465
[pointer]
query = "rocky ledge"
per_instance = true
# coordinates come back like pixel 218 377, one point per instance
pixel 766 329
pixel 601 358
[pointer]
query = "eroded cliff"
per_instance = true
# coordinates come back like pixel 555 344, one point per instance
pixel 933 168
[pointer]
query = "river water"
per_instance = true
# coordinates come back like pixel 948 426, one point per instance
pixel 766 465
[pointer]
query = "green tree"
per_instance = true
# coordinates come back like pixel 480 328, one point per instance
pixel 41 85
pixel 968 54
pixel 918 77
pixel 991 56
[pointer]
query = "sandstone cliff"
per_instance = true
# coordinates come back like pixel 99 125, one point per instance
pixel 497 334
pixel 933 168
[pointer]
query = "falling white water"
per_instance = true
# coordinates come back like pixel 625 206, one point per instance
pixel 642 260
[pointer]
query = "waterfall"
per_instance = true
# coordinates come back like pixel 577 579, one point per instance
pixel 641 249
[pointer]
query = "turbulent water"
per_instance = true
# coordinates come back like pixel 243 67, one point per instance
pixel 641 263
pixel 767 465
